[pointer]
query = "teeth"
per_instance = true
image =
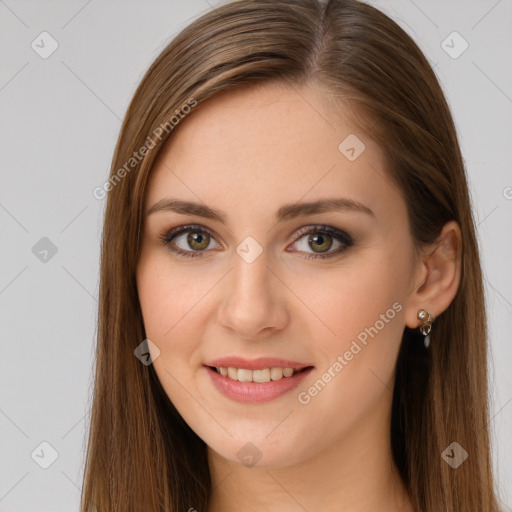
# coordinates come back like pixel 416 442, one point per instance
pixel 260 375
pixel 243 375
pixel 276 373
pixel 287 372
pixel 263 375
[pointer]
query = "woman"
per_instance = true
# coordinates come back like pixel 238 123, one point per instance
pixel 291 302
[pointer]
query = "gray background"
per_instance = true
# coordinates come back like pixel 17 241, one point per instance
pixel 60 117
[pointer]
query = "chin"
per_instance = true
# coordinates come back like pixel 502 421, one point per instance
pixel 261 453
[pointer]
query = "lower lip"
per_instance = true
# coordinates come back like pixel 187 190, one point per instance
pixel 256 392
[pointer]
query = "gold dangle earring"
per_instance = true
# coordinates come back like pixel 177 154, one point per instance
pixel 425 328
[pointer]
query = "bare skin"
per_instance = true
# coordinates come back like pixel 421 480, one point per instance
pixel 248 153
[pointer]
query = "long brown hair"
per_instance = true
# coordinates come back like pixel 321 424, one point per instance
pixel 141 455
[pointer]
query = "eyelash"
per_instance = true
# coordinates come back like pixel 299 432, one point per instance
pixel 338 235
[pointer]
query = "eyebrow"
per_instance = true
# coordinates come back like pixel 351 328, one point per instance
pixel 286 212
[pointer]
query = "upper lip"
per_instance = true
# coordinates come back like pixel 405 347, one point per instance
pixel 256 364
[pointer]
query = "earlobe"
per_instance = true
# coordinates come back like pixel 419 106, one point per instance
pixel 441 273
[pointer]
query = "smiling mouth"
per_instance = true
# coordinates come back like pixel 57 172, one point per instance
pixel 260 375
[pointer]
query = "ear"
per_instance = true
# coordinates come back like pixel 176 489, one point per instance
pixel 437 276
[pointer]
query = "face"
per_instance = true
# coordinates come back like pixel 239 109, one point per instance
pixel 252 278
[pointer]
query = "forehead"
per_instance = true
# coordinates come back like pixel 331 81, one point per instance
pixel 265 146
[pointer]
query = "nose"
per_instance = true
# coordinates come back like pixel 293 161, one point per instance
pixel 254 304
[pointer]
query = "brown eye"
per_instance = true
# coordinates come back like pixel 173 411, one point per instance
pixel 189 241
pixel 316 241
pixel 322 242
pixel 198 240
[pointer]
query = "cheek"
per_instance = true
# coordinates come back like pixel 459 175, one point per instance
pixel 173 302
pixel 167 300
pixel 363 308
pixel 356 376
pixel 167 296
